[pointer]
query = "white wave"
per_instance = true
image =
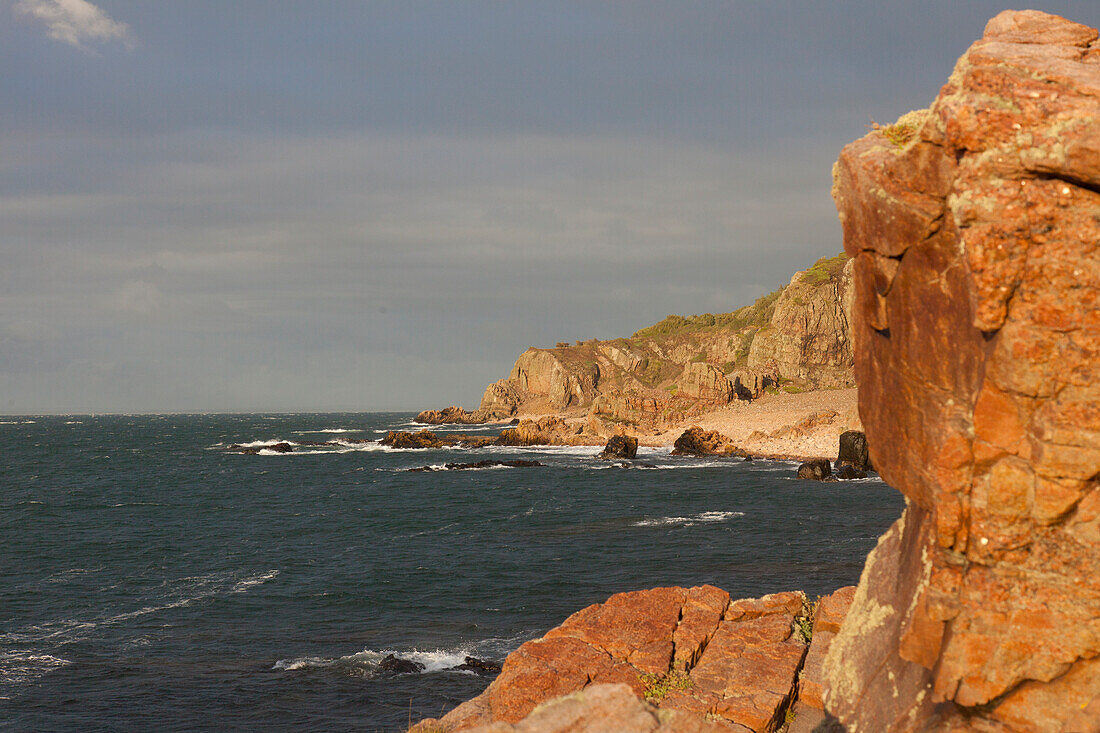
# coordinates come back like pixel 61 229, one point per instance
pixel 20 666
pixel 184 592
pixel 243 585
pixel 262 443
pixel 670 466
pixel 329 430
pixel 702 518
pixel 436 660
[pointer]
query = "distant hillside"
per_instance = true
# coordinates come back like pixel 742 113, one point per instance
pixel 793 339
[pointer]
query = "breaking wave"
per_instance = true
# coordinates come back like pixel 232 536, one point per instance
pixel 702 518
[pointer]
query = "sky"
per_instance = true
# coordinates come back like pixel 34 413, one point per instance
pixel 212 206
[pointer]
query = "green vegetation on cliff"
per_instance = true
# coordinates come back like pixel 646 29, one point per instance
pixel 757 314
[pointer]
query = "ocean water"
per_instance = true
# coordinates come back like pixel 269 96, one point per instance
pixel 150 580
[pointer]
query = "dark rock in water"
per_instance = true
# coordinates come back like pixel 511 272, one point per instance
pixel 479 666
pixel 519 463
pixel 620 446
pixel 849 472
pixel 514 421
pixel 748 458
pixel 279 447
pixel 816 470
pixel 397 665
pixel 853 451
pixel 403 439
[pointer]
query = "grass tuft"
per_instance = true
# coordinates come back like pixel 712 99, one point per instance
pixel 657 686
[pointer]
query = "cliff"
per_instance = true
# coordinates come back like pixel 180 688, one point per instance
pixel 793 339
pixel 975 231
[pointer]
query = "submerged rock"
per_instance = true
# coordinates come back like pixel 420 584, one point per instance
pixel 397 665
pixel 847 473
pixel 479 666
pixel 620 446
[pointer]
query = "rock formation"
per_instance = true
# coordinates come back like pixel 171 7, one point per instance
pixel 807 338
pixel 700 660
pixel 974 229
pixel 698 442
pixel 451 416
pixel 620 446
pixel 665 375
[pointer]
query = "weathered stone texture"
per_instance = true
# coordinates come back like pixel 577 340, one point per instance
pixel 736 662
pixel 976 331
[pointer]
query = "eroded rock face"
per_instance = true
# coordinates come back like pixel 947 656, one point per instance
pixel 734 662
pixel 702 381
pixel 976 329
pixel 808 336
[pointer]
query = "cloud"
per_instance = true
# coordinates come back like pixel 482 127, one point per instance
pixel 75 22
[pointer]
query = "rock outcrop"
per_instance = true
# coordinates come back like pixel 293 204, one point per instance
pixel 451 416
pixel 620 446
pixel 974 229
pixel 686 658
pixel 807 338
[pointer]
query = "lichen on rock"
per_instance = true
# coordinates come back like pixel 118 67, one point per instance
pixel 976 331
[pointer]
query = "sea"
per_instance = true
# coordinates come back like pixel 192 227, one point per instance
pixel 152 580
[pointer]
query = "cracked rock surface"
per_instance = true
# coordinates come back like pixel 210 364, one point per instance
pixel 734 664
pixel 976 332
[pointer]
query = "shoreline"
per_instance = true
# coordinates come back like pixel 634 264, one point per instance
pixel 785 426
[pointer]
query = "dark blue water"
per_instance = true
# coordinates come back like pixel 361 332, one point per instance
pixel 149 580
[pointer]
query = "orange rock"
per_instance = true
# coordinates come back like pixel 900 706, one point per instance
pixel 977 354
pixel 733 665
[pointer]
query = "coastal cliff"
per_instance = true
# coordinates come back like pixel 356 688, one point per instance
pixel 975 232
pixel 792 340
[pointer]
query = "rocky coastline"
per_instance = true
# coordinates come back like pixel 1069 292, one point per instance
pixel 973 230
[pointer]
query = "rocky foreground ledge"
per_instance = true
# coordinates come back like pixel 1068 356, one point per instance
pixel 669 659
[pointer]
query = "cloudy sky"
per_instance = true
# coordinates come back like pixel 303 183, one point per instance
pixel 223 206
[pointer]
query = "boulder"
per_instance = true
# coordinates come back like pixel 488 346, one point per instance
pixel 817 469
pixel 974 228
pixel 698 442
pixel 397 665
pixel 853 451
pixel 620 446
pixel 479 666
pixel 691 652
pixel 847 473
